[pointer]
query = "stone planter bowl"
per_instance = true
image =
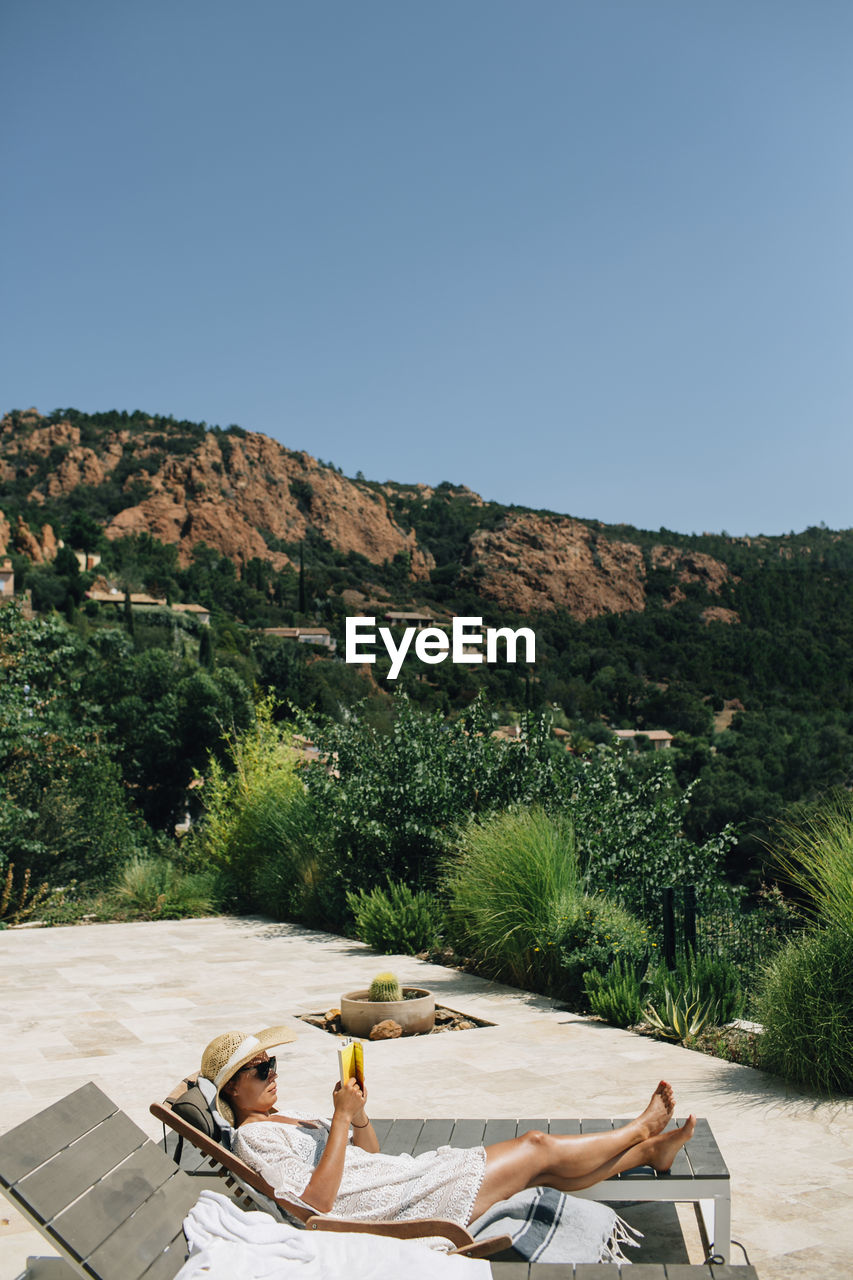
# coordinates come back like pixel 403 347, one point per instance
pixel 360 1015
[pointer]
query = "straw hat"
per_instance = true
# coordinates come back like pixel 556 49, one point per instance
pixel 225 1055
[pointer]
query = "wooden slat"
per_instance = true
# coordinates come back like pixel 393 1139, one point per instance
pixel 434 1134
pixel 684 1271
pixel 557 1270
pixel 705 1156
pixel 648 1271
pixel 468 1133
pixel 167 1264
pixel 67 1175
pixel 191 1157
pixel 381 1128
pixel 91 1219
pixel 525 1126
pixel 402 1138
pixel 498 1131
pixel 591 1271
pixel 28 1145
pixel 510 1270
pixel 564 1126
pixel 598 1125
pixel 139 1240
pixel 733 1272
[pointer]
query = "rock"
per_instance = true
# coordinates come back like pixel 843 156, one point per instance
pixel 224 491
pixel 332 1015
pixel 315 1020
pixel 49 545
pixel 386 1030
pixel 716 613
pixel 532 563
pixel 26 542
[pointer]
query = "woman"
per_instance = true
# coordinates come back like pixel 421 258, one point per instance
pixel 312 1160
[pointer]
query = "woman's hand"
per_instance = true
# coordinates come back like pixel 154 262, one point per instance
pixel 348 1099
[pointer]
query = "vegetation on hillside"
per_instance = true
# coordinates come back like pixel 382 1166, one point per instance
pixel 116 727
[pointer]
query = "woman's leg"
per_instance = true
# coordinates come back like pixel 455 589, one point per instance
pixel 572 1162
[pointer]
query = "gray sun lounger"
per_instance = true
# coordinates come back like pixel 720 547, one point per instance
pixel 699 1174
pixel 111 1202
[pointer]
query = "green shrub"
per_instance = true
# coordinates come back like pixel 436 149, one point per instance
pixel 630 828
pixel 816 853
pixel 260 830
pixel 592 934
pixel 616 996
pixel 806 1008
pixel 396 919
pixel 394 799
pixel 715 980
pixel 512 879
pixel 156 889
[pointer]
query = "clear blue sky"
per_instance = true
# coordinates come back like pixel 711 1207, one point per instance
pixel 592 255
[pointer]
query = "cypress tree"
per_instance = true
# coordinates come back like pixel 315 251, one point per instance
pixel 301 578
pixel 128 613
pixel 205 649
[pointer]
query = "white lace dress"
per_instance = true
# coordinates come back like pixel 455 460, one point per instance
pixel 374 1186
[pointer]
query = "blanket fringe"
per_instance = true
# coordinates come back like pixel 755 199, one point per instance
pixel 622 1234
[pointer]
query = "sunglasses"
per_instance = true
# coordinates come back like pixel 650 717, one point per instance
pixel 261 1068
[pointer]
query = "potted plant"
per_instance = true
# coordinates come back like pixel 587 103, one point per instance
pixel 413 1008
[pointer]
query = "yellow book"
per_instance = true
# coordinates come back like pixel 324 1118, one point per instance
pixel 351 1062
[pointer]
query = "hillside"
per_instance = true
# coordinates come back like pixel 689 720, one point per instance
pixel 249 497
pixel 740 647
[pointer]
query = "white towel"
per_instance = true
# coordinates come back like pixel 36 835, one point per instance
pixel 227 1243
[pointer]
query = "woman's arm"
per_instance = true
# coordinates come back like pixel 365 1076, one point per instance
pixel 362 1131
pixel 322 1188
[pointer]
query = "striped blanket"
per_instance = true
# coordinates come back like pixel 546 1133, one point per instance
pixel 549 1226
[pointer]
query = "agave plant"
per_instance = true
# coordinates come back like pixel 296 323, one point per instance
pixel 685 1014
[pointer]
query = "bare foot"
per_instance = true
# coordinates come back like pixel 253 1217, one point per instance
pixel 660 1151
pixel 658 1113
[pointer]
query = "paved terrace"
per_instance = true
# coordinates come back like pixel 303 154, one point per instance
pixel 131 1006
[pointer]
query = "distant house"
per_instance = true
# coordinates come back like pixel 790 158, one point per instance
pixel 138 599
pixel 304 635
pixel 7 580
pixel 86 560
pixel 419 620
pixel 661 739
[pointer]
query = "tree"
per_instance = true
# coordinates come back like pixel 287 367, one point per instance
pixel 63 812
pixel 127 611
pixel 83 533
pixel 301 605
pixel 205 650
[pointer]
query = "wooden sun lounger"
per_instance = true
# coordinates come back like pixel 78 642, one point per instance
pixel 698 1176
pixel 111 1202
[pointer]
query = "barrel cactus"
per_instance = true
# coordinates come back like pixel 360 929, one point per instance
pixel 384 987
